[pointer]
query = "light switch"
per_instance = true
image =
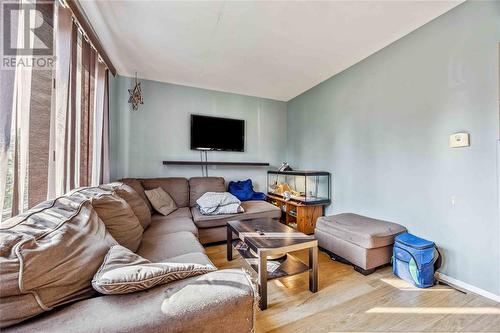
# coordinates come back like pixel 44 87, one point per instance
pixel 459 140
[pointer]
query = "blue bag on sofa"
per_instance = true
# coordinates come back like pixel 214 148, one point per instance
pixel 243 190
pixel 414 260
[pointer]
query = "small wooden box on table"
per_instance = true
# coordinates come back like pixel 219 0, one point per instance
pixel 268 237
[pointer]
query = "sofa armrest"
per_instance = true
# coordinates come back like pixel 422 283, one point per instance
pixel 220 301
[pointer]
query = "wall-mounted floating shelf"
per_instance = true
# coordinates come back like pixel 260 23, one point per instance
pixel 251 164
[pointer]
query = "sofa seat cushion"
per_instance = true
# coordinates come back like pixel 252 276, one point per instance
pixel 158 247
pixel 363 231
pixel 179 212
pixel 176 187
pixel 201 185
pixel 253 209
pixel 220 301
pixel 48 257
pixel 166 225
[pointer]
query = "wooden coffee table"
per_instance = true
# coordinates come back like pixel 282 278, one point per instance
pixel 267 237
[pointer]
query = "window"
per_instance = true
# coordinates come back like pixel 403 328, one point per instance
pixel 53 118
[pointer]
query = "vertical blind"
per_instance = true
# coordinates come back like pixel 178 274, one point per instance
pixel 54 122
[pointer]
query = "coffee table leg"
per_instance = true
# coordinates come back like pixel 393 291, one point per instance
pixel 313 269
pixel 262 271
pixel 229 243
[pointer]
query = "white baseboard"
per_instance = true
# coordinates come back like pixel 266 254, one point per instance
pixel 466 287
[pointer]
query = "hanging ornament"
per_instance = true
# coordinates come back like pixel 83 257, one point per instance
pixel 135 95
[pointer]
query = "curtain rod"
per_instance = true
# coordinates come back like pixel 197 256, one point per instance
pixel 88 31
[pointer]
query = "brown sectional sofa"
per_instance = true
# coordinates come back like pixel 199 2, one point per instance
pixel 220 301
pixel 184 192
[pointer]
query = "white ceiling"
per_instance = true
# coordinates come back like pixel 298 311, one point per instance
pixel 267 49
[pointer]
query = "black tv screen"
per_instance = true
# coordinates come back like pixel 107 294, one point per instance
pixel 214 133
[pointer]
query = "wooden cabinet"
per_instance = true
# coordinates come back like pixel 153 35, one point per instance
pixel 297 215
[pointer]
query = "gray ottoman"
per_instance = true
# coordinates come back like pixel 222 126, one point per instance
pixel 362 241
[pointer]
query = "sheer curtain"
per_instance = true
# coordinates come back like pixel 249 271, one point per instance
pixel 24 117
pixel 7 84
pixel 54 122
pixel 87 114
pixel 104 169
pixel 65 43
pixel 38 136
pixel 101 126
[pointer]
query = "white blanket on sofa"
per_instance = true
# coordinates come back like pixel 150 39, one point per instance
pixel 217 203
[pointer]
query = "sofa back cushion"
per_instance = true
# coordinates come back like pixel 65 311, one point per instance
pixel 48 257
pixel 137 186
pixel 116 214
pixel 127 193
pixel 201 185
pixel 177 188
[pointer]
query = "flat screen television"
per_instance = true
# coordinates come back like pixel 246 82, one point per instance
pixel 214 133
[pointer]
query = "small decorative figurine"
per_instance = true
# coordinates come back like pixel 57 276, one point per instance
pixel 135 95
pixel 285 167
pixel 286 195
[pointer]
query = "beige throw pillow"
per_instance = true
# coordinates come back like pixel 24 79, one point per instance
pixel 125 272
pixel 127 193
pixel 161 201
pixel 116 214
pixel 136 184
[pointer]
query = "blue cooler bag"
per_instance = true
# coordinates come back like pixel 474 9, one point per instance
pixel 414 259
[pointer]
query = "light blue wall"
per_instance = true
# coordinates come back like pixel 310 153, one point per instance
pixel 382 126
pixel 160 130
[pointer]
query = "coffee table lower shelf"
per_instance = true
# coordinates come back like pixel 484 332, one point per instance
pixel 289 265
pixel 268 237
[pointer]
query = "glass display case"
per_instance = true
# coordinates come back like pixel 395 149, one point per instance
pixel 306 187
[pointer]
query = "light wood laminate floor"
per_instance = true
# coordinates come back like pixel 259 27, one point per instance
pixel 350 302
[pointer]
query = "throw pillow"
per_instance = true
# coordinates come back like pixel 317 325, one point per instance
pixel 162 201
pixel 123 271
pixel 137 186
pixel 127 193
pixel 116 214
